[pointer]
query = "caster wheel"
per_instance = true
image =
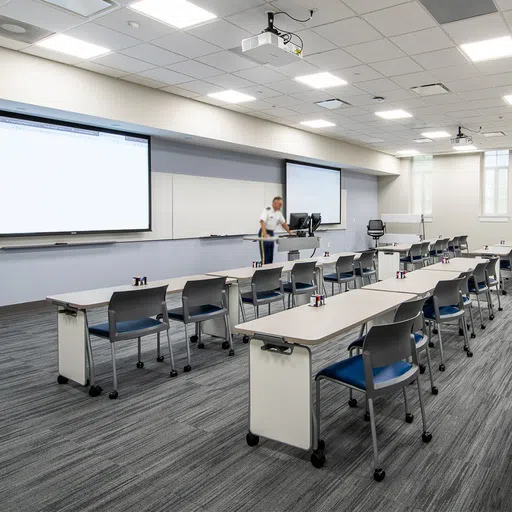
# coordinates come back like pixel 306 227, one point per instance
pixel 366 416
pixel 352 403
pixel 435 331
pixel 431 344
pixel 482 326
pixel 500 309
pixel 140 364
pixel 318 459
pixel 173 373
pixel 442 367
pixel 491 317
pixel 95 391
pixel 225 345
pixel 409 418
pixel 200 345
pixel 379 475
pixel 231 352
pixel 461 332
pixel 434 390
pixel 469 353
pixel 251 439
pixel 473 335
pixel 466 348
pixel 504 292
pixel 113 395
pixel 194 339
pixel 321 445
pixel 62 380
pixel 159 359
pixel 187 368
pixel 422 368
pixel 245 339
pixel 427 437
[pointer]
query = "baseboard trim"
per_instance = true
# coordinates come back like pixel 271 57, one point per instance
pixel 24 306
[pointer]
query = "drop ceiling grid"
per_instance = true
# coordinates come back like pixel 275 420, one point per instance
pixel 385 47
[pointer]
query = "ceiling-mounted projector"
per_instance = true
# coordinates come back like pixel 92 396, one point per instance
pixel 461 139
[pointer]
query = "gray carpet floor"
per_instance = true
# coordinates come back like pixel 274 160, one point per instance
pixel 179 444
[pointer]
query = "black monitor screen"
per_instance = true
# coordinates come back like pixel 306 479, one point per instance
pixel 298 221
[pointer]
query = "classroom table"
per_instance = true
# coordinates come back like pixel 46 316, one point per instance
pixel 280 371
pixel 75 356
pixel 506 243
pixel 493 250
pixel 456 265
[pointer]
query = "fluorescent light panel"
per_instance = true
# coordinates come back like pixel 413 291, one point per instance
pixel 317 123
pixel 508 99
pixel 84 8
pixel 321 80
pixel 231 96
pixel 393 114
pixel 422 141
pixel 407 152
pixel 489 49
pixel 493 134
pixel 465 148
pixel 331 104
pixel 72 46
pixel 178 13
pixel 436 135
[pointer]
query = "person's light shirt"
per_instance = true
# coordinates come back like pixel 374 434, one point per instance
pixel 272 218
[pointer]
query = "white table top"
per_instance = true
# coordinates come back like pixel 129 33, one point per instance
pixel 508 243
pixel 455 265
pixel 395 248
pixel 419 282
pixel 333 258
pixel 498 250
pixel 102 296
pixel 311 326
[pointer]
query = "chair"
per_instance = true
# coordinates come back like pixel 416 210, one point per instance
pixel 383 368
pixel 492 277
pixel 414 256
pixel 425 253
pixel 203 300
pixel 463 244
pixel 303 281
pixel 266 288
pixel 477 285
pixel 130 316
pixel 437 250
pixel 445 306
pixel 446 245
pixel 365 266
pixel 466 299
pixel 454 246
pixel 505 266
pixel 376 229
pixel 345 273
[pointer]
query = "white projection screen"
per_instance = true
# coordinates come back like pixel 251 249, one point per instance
pixel 63 178
pixel 311 189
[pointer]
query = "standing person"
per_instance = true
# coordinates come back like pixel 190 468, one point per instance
pixel 269 220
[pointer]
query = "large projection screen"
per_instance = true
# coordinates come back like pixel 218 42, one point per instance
pixel 313 189
pixel 63 178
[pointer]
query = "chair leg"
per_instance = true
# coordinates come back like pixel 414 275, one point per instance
pixel 467 346
pixel 441 366
pixel 187 343
pixel 113 394
pixel 332 288
pixel 159 358
pixel 482 325
pixel 173 373
pixel 433 388
pixel 426 436
pixel 430 342
pixel 325 289
pixel 241 307
pixel 473 335
pixel 284 304
pixel 269 308
pixel 257 311
pixel 498 294
pixel 317 405
pixel 293 300
pixel 140 364
pixel 490 304
pixel 229 336
pixel 378 474
pixel 289 300
pixel 408 416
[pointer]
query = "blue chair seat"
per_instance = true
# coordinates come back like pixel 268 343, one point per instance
pixel 472 288
pixel 124 327
pixel 351 371
pixel 408 259
pixel 418 337
pixel 299 286
pixel 428 311
pixel 492 281
pixel 505 264
pixel 177 314
pixel 334 277
pixel 270 294
pixel 466 299
pixel 365 271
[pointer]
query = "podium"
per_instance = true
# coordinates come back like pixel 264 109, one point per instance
pixel 290 244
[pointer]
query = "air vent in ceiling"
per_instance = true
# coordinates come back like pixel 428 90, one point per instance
pixel 20 31
pixel 333 104
pixel 446 11
pixel 85 8
pixel 430 89
pixel 493 134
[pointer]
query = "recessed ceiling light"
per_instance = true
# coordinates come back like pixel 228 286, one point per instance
pixel 332 104
pixel 423 141
pixel 465 148
pixel 489 49
pixel 407 152
pixel 493 134
pixel 508 99
pixel 133 24
pixel 178 13
pixel 430 89
pixel 231 96
pixel 393 114
pixel 317 123
pixel 16 29
pixel 72 46
pixel 436 135
pixel 84 8
pixel 321 80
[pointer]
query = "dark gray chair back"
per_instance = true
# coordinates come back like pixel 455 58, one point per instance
pixel 448 293
pixel 303 272
pixel 446 243
pixel 415 251
pixel 411 309
pixel 425 247
pixel 439 246
pixel 345 264
pixel 366 260
pixel 480 273
pixel 266 279
pixel 464 287
pixel 491 267
pixel 463 242
pixel 454 242
pixel 204 291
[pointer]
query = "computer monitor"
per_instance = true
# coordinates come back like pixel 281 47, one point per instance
pixel 316 220
pixel 298 221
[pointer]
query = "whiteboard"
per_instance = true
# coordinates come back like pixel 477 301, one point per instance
pixel 204 207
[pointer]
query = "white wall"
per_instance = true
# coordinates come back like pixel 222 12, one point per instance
pixel 456 203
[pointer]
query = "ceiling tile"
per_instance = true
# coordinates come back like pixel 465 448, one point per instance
pixel 186 44
pixel 200 87
pixel 415 79
pixel 260 92
pixel 284 101
pixel 224 8
pixel 280 112
pixel 141 80
pixel 102 36
pixel 227 61
pixel 378 86
pixel 98 68
pixel 455 73
pixel 123 63
pixel 348 32
pixel 326 10
pixel 364 6
pixel 307 108
pixel 423 41
pixel 479 28
pixel 311 96
pixel 229 81
pixel 40 15
pixel 333 59
pixel 148 27
pixel 441 58
pixel 255 20
pixel 358 74
pixel 504 5
pixel 344 91
pixel 289 86
pixel 375 51
pixel 195 69
pixel 48 54
pixel 400 19
pixel 493 67
pixel 173 89
pixel 166 76
pixel 396 67
pixel 397 95
pixel 221 33
pixel 299 68
pixel 153 54
pixel 259 105
pixel 259 75
pixel 313 43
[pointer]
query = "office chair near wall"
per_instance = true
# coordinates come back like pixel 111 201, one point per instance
pixel 383 368
pixel 505 266
pixel 466 299
pixel 463 244
pixel 437 250
pixel 130 316
pixel 425 253
pixel 454 246
pixel 478 286
pixel 303 281
pixel 414 257
pixel 492 277
pixel 365 266
pixel 376 229
pixel 345 273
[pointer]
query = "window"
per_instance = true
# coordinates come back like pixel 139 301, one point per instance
pixel 421 185
pixel 495 183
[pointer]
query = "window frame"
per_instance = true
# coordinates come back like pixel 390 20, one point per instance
pixel 495 214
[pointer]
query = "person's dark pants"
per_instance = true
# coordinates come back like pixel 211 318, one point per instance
pixel 266 249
